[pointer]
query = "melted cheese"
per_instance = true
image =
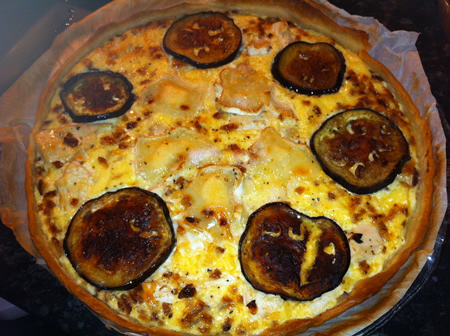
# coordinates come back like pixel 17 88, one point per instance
pixel 62 143
pixel 159 157
pixel 212 195
pixel 215 148
pixel 172 98
pixel 244 90
pixel 276 163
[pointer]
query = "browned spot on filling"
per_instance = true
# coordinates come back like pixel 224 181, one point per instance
pixel 186 201
pixel 235 148
pixel 316 110
pixel 229 127
pixel 57 164
pixel 124 304
pixel 131 125
pixel 71 141
pixel 364 266
pixel 300 190
pixel 252 307
pixel 107 140
pixel 198 126
pixel 187 292
pixel 227 324
pixel 167 309
pixel 137 294
pixel 219 115
pixel 40 171
pixel 50 194
pixel 196 313
pixel 208 212
pixel 54 230
pixel 57 108
pixel 216 274
pixel 192 220
pixel 357 237
pixel 102 161
pixel 49 205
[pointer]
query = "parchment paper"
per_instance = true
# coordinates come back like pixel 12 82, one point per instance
pixel 396 50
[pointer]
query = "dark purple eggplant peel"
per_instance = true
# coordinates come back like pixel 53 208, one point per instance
pixel 97 95
pixel 204 40
pixel 360 149
pixel 287 253
pixel 118 240
pixel 311 69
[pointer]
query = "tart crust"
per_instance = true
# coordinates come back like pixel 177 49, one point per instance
pixel 307 14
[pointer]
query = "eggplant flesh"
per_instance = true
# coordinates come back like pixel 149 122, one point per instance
pixel 287 253
pixel 97 95
pixel 118 240
pixel 361 149
pixel 311 69
pixel 204 40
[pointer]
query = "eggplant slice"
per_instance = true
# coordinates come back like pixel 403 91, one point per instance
pixel 97 95
pixel 204 40
pixel 287 253
pixel 309 68
pixel 119 239
pixel 360 149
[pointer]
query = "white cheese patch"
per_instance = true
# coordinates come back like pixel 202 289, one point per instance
pixel 62 143
pixel 371 243
pixel 160 157
pixel 275 162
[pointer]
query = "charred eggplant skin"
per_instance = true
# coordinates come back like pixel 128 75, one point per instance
pixel 311 69
pixel 119 239
pixel 203 40
pixel 101 94
pixel 286 253
pixel 360 149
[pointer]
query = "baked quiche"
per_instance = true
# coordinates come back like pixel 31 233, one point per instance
pixel 226 168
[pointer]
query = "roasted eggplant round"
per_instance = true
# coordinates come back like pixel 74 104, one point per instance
pixel 97 95
pixel 287 253
pixel 119 239
pixel 309 68
pixel 204 40
pixel 361 149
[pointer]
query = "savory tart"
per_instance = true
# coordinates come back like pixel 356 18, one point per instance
pixel 226 167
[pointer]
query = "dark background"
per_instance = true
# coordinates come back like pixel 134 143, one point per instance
pixel 27 28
